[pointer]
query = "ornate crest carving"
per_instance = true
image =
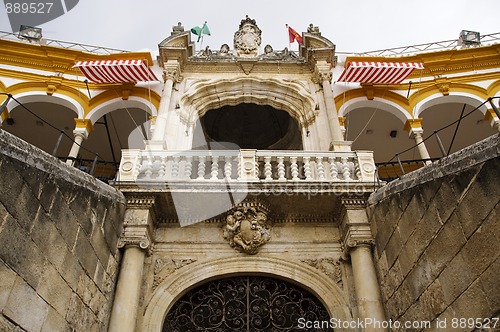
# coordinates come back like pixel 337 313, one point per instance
pixel 247 227
pixel 248 38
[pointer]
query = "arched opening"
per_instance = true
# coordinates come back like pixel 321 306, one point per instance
pixel 247 126
pixel 379 131
pixel 246 303
pixel 472 128
pixel 41 123
pixel 111 133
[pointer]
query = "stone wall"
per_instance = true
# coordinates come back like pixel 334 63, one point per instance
pixel 58 233
pixel 437 234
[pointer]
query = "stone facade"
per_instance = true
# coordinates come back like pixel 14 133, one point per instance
pixel 58 233
pixel 436 237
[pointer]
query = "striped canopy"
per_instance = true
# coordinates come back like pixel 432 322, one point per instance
pixel 378 72
pixel 116 71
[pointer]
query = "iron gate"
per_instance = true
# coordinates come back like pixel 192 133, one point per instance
pixel 250 303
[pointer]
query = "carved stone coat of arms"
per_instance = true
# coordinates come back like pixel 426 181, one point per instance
pixel 248 38
pixel 247 228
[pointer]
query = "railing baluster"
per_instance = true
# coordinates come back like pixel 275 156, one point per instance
pixel 161 167
pixel 175 166
pixel 281 169
pixel 307 168
pixel 321 168
pixel 346 171
pixel 201 167
pixel 214 171
pixel 149 168
pixel 294 168
pixel 268 171
pixel 333 168
pixel 228 167
pixel 188 168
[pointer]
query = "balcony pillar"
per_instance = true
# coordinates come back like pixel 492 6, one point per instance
pixel 136 240
pixel 323 75
pixel 357 243
pixel 170 75
pixel 414 127
pixel 81 132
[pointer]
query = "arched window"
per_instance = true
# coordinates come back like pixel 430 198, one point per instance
pixel 247 303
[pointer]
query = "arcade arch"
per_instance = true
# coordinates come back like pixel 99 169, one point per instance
pixel 177 284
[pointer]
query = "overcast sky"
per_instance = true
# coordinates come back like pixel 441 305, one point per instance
pixel 353 25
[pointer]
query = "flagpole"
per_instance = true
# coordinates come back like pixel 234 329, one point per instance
pixel 288 35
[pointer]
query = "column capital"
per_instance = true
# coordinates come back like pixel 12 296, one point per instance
pixel 83 127
pixel 354 225
pixel 322 72
pixel 138 223
pixel 414 126
pixel 172 71
pixel 492 118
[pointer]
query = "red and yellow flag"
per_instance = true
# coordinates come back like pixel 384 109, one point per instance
pixel 294 35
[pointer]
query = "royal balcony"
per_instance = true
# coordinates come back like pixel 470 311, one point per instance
pixel 246 165
pixel 197 185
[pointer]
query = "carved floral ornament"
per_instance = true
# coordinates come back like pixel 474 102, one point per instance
pixel 247 227
pixel 329 266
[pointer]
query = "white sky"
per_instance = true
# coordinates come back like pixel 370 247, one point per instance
pixel 353 25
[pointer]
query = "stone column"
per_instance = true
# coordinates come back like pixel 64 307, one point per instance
pixel 136 240
pixel 357 243
pixel 170 75
pixel 324 77
pixel 82 129
pixel 414 127
pixel 492 118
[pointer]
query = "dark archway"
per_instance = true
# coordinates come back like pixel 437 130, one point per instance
pixel 248 126
pixel 246 303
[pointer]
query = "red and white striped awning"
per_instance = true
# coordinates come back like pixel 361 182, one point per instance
pixel 378 72
pixel 116 71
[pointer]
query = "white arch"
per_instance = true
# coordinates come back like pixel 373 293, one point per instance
pixel 119 103
pixel 293 97
pixel 174 286
pixel 41 96
pixel 377 103
pixel 453 97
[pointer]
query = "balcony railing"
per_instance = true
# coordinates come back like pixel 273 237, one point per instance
pixel 246 165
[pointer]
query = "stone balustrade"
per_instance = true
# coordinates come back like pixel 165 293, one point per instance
pixel 246 165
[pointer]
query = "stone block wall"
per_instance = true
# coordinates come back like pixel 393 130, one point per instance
pixel 437 234
pixel 58 233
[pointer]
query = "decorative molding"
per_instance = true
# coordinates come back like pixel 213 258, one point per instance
pixel 247 227
pixel 138 236
pixel 443 85
pixel 329 266
pixel 353 203
pixel 172 72
pixel 140 202
pixel 165 266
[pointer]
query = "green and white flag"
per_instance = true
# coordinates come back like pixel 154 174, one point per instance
pixel 201 31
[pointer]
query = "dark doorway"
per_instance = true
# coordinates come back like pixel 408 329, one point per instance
pixel 248 126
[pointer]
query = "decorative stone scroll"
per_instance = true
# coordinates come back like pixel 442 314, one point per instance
pixel 165 266
pixel 329 266
pixel 247 227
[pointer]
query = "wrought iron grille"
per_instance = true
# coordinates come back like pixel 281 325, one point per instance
pixel 251 303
